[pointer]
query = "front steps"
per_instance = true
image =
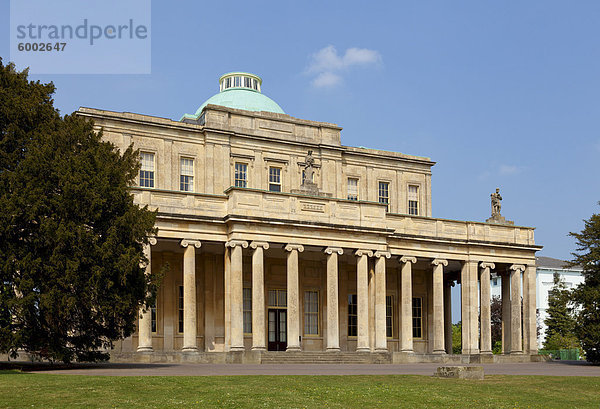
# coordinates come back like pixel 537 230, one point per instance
pixel 316 357
pixel 325 358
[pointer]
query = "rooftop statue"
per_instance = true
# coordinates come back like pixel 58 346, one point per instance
pixel 496 207
pixel 496 202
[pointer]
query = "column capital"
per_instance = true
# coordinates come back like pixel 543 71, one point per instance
pixel 187 242
pixel 517 267
pixel 438 261
pixel 256 244
pixel 486 264
pixel 407 259
pixel 363 252
pixel 234 243
pixel 385 254
pixel 291 247
pixel 152 241
pixel 331 250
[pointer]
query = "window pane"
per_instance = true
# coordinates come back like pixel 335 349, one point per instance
pixel 389 315
pixel 384 192
pixel 241 175
pixel 352 317
pixel 281 298
pixel 417 317
pixel 275 179
pixel 413 200
pixel 352 189
pixel 147 169
pixel 153 317
pixel 180 305
pixel 311 312
pixel 247 310
pixel 272 298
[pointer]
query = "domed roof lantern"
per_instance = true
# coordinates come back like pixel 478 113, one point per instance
pixel 239 90
pixel 241 80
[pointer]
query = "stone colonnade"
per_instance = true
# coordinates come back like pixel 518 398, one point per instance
pixel 476 319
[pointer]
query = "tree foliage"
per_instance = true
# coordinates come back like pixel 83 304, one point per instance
pixel 560 323
pixel 496 320
pixel 457 338
pixel 587 294
pixel 72 267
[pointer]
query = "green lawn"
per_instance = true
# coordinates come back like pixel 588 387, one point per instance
pixel 19 390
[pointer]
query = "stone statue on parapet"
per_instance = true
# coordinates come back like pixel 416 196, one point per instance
pixel 497 218
pixel 309 168
pixel 308 186
pixel 496 202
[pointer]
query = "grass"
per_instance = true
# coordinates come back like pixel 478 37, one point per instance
pixel 19 390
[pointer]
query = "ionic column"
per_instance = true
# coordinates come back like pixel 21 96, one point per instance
pixel 506 313
pixel 236 297
pixel 227 294
pixel 529 310
pixel 362 295
pixel 470 321
pixel 380 293
pixel 145 323
pixel 486 317
pixel 293 297
pixel 438 305
pixel 333 311
pixel 516 341
pixel 406 338
pixel 448 317
pixel 258 296
pixel 189 295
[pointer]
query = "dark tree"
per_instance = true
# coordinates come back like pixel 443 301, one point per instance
pixel 587 294
pixel 496 318
pixel 71 260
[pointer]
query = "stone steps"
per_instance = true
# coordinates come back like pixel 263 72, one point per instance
pixel 324 358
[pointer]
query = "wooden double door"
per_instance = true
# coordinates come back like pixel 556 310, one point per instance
pixel 277 329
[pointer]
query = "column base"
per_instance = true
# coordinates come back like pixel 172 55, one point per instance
pixel 486 353
pixel 145 349
pixel 259 348
pixel 293 349
pixel 363 349
pixel 439 352
pixel 516 352
pixel 407 351
pixel 236 349
pixel 333 349
pixel 189 349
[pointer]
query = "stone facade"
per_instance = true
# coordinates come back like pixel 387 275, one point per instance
pixel 256 263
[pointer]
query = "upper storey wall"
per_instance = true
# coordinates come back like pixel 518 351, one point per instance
pixel 262 140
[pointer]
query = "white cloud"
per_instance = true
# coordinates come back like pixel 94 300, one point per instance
pixel 509 170
pixel 327 64
pixel 326 79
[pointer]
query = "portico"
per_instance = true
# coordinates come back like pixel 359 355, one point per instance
pixel 343 316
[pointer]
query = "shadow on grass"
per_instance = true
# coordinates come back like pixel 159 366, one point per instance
pixel 7 366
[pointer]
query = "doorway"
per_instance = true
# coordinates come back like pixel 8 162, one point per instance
pixel 277 329
pixel 277 320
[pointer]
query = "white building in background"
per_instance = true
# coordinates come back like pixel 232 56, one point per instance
pixel 546 267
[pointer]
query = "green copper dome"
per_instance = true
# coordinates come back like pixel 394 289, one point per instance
pixel 239 90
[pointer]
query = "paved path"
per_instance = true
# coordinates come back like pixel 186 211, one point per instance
pixel 119 369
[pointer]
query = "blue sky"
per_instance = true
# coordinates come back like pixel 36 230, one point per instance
pixel 499 94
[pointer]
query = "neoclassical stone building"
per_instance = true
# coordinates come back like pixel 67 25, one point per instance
pixel 279 238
